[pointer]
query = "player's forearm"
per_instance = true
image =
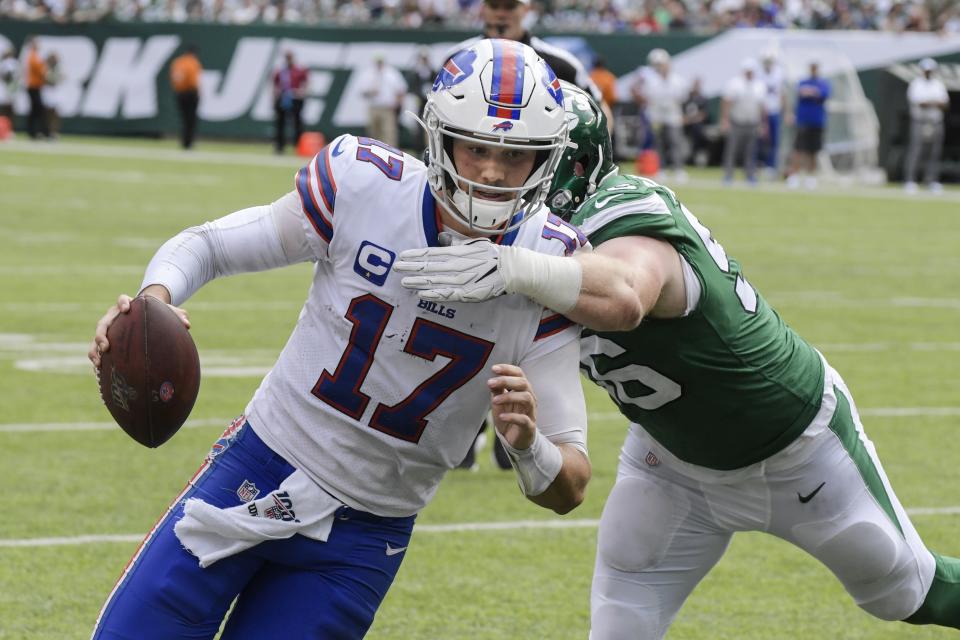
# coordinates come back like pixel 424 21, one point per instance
pixel 568 489
pixel 590 289
pixel 608 299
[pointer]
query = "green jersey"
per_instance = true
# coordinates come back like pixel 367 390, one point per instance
pixel 724 386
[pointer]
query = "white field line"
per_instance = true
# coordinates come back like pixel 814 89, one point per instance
pixel 454 527
pixel 121 176
pixel 34 427
pixel 153 153
pixel 825 189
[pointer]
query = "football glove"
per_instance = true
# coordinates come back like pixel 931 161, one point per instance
pixel 468 272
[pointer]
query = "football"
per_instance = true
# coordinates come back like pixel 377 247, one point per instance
pixel 150 375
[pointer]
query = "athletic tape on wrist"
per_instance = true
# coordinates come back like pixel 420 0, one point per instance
pixel 537 466
pixel 552 281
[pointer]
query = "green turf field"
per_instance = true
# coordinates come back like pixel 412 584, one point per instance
pixel 868 276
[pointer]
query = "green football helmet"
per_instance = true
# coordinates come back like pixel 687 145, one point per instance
pixel 588 157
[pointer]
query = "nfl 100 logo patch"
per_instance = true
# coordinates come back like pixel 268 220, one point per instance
pixel 652 459
pixel 247 491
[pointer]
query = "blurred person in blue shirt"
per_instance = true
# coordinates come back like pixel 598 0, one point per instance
pixel 810 118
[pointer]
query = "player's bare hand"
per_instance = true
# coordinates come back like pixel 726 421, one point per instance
pixel 514 405
pixel 101 345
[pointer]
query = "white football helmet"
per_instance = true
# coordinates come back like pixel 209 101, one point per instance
pixel 501 93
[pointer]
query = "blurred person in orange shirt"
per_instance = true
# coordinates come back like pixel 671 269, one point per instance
pixel 36 77
pixel 605 80
pixel 185 79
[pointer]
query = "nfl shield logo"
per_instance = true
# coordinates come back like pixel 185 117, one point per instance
pixel 247 491
pixel 652 459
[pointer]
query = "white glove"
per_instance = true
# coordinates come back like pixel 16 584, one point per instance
pixel 468 272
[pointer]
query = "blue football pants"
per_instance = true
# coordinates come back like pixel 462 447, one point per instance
pixel 292 589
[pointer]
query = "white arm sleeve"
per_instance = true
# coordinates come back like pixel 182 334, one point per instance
pixel 561 408
pixel 254 239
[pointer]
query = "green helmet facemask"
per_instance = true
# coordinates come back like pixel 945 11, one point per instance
pixel 588 157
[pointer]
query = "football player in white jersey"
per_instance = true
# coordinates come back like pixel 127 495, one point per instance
pixel 306 504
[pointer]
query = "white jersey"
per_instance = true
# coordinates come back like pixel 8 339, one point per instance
pixel 920 91
pixel 665 97
pixel 377 393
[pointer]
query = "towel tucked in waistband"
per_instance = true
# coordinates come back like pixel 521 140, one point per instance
pixel 297 506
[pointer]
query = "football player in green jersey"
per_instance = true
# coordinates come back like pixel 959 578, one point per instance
pixel 736 422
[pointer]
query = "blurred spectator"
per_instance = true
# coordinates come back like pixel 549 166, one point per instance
pixel 771 75
pixel 36 74
pixel 50 96
pixel 650 16
pixel 928 100
pixel 422 75
pixel 695 118
pixel 9 83
pixel 185 74
pixel 289 90
pixel 664 92
pixel 742 119
pixel 810 118
pixel 384 88
pixel 420 79
pixel 605 80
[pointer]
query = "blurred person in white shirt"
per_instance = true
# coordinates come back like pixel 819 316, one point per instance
pixel 384 89
pixel 664 94
pixel 928 100
pixel 743 119
pixel 773 79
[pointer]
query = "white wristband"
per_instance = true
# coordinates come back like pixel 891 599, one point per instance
pixel 537 466
pixel 552 281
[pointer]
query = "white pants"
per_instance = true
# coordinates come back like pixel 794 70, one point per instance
pixel 667 522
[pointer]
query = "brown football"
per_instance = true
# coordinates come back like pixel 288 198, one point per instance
pixel 150 376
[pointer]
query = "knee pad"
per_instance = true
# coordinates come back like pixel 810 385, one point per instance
pixel 637 525
pixel 877 569
pixel 615 622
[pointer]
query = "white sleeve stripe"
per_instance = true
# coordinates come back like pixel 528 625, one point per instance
pixel 318 196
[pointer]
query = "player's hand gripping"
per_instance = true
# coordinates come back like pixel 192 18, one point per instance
pixel 100 343
pixel 514 406
pixel 468 272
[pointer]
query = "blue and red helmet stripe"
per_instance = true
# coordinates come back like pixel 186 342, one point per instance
pixel 508 79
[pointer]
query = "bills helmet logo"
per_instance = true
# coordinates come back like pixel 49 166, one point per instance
pixel 506 125
pixel 552 84
pixel 455 70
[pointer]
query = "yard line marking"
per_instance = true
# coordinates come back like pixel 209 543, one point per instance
pixel 68 270
pixel 888 346
pixel 146 153
pixel 454 527
pixel 826 189
pixel 30 307
pixel 127 176
pixel 29 427
pixel 874 412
